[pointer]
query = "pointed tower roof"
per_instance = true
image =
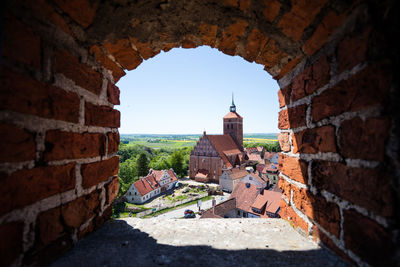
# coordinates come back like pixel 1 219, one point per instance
pixel 232 107
pixel 232 114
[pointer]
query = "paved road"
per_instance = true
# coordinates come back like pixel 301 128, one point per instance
pixel 178 213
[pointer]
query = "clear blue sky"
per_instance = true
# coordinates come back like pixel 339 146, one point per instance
pixel 187 91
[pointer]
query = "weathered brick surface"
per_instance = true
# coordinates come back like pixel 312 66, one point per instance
pixel 284 96
pixel 285 187
pixel 15 45
pixel 289 214
pixel 311 79
pixel 283 139
pixel 329 24
pixel 66 145
pixel 311 141
pixel 95 173
pixel 49 226
pixel 368 239
pixel 123 52
pixel 352 50
pixel 208 34
pixel 113 93
pixel 292 117
pixel 255 42
pixel 364 139
pixel 288 67
pixel 16 144
pixel 24 94
pixel 82 12
pixel 99 220
pixel 101 116
pixel 81 74
pixel 368 188
pixel 113 142
pixel 295 168
pixel 112 190
pixel 270 55
pixel 271 9
pixel 78 211
pixel 107 63
pixel 300 16
pixel 145 50
pixel 318 209
pixel 11 242
pixel 367 88
pixel 25 187
pixel 230 36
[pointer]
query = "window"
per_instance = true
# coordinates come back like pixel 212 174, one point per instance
pixel 135 193
pixel 238 212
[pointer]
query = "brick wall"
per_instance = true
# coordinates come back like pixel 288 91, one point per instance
pixel 339 133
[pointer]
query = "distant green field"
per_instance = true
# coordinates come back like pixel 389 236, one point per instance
pixel 180 141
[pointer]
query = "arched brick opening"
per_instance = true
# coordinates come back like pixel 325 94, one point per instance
pixel 334 62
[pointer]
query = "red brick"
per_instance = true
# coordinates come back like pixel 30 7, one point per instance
pixel 66 145
pixel 230 36
pixel 78 211
pixel 49 225
pixel 95 173
pixel 311 141
pixel 318 209
pixel 107 63
pixel 289 214
pixel 16 144
pixel 255 42
pixel 101 116
pixel 364 139
pixel 241 4
pixel 368 188
pixel 271 9
pixel 145 50
pixel 368 88
pixel 82 12
pixel 285 187
pixel 322 33
pixel 208 34
pixel 21 44
pixel 288 67
pixel 11 242
pixel 311 79
pixel 271 55
pixel 113 93
pixel 368 240
pixel 113 142
pixel 23 94
pixel 25 187
pixel 300 16
pixel 292 117
pixel 188 43
pixel 318 234
pixel 294 168
pixel 283 139
pixel 352 50
pixel 46 12
pixel 284 96
pixel 86 230
pixel 112 190
pixel 123 52
pixel 81 74
pixel 99 220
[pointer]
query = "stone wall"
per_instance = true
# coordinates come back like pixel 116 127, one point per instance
pixel 334 62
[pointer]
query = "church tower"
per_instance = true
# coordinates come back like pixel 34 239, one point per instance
pixel 233 125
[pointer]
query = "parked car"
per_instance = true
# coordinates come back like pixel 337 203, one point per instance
pixel 189 214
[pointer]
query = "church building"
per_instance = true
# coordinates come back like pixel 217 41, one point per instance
pixel 214 154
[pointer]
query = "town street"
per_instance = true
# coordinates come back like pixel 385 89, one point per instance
pixel 205 205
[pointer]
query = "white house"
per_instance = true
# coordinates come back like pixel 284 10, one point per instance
pixel 254 179
pixel 230 178
pixel 151 185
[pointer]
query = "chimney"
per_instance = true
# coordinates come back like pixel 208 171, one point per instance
pixel 247 185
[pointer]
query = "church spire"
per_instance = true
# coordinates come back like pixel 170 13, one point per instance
pixel 232 107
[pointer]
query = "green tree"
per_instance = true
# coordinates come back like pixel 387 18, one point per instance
pixel 160 162
pixel 142 165
pixel 127 175
pixel 177 163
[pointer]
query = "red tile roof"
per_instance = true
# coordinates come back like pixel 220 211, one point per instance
pixel 236 173
pixel 232 115
pixel 221 209
pixel 245 195
pixel 269 200
pixel 151 182
pixel 202 173
pixel 224 143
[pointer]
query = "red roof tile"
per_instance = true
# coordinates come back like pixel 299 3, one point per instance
pixel 232 115
pixel 151 182
pixel 236 173
pixel 270 199
pixel 245 195
pixel 224 143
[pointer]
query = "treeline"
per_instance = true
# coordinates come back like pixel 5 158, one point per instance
pixel 136 161
pixel 270 147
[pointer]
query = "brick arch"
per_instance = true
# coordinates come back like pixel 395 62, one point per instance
pixel 333 61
